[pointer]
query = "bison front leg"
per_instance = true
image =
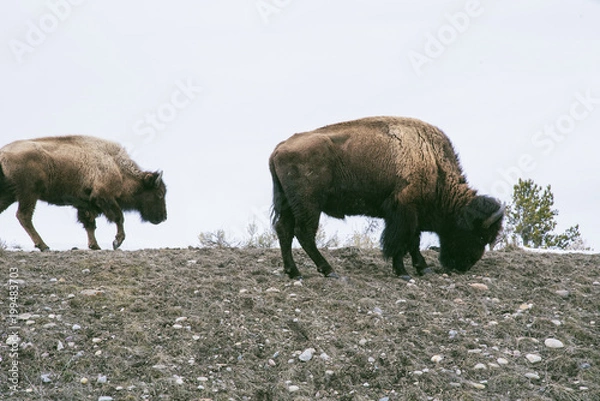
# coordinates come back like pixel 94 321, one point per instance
pixel 398 237
pixel 25 217
pixel 88 219
pixel 110 208
pixel 418 261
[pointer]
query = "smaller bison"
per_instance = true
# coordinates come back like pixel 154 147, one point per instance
pixel 93 175
pixel 402 170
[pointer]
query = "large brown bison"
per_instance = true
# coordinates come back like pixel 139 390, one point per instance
pixel 402 170
pixel 94 175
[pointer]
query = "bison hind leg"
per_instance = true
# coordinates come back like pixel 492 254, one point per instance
pixel 306 231
pixel 88 219
pixel 284 224
pixel 25 216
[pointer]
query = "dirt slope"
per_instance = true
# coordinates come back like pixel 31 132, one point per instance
pixel 226 324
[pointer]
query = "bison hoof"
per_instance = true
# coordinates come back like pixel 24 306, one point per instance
pixel 294 275
pixel 332 275
pixel 43 248
pixel 95 247
pixel 405 277
pixel 117 244
pixel 425 271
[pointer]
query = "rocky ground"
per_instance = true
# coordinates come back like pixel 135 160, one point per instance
pixel 226 324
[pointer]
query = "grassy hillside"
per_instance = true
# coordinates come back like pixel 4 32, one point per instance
pixel 226 324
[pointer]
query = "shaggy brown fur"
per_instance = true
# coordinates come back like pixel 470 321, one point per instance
pixel 400 169
pixel 94 175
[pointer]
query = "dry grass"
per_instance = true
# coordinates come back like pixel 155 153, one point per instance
pixel 245 324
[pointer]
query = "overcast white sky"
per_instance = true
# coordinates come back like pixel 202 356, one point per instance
pixel 205 90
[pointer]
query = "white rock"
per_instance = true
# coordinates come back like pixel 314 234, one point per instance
pixel 502 361
pixel 553 343
pixel 533 358
pixel 478 386
pixel 306 355
pixel 324 356
pixel 202 379
pixel 46 378
pixel 532 375
pixel 293 389
pixel 329 372
pixel 105 398
pixel 177 326
pixel 417 373
pixel 563 293
pixel 60 346
pixel 524 307
pixel 178 379
pixel 479 286
pixel 102 379
pixel 91 292
pixel 272 290
pixel 362 342
pixel 96 340
pixel 556 322
pixel 480 366
pixel 298 283
pixel 83 380
pixel 181 319
pixel 437 358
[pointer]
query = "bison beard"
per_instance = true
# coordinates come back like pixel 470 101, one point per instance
pixel 400 169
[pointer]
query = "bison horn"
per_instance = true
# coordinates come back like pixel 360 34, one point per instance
pixel 158 178
pixel 497 215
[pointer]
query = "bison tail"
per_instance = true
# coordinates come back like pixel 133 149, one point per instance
pixel 279 199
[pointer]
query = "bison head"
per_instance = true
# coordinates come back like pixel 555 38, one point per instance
pixel 151 198
pixel 476 226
